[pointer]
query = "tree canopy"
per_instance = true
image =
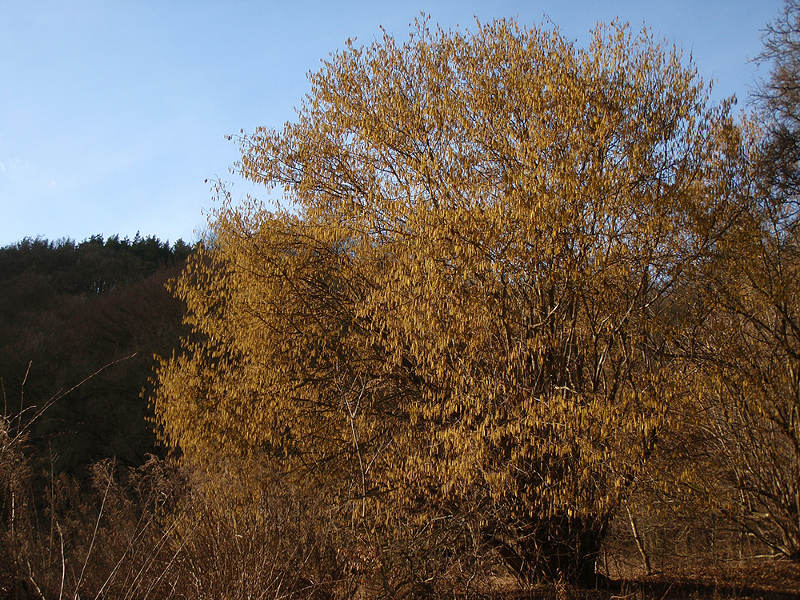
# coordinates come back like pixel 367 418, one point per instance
pixel 748 348
pixel 467 303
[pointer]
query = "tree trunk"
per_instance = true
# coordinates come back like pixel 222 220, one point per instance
pixel 550 549
pixel 639 542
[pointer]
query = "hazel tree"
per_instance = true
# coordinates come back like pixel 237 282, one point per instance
pixel 750 351
pixel 469 297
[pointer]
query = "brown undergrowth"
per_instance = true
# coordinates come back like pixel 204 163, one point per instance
pixel 163 530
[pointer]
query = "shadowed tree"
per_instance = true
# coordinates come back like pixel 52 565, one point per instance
pixel 777 97
pixel 749 347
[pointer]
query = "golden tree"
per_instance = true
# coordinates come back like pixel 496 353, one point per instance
pixel 752 358
pixel 748 352
pixel 465 304
pixel 748 348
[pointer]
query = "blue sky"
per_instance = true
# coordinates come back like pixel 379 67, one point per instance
pixel 113 114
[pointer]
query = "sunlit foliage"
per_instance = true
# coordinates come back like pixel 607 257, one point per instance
pixel 468 305
pixel 751 350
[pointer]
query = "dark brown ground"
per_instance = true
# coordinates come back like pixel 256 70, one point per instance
pixel 757 580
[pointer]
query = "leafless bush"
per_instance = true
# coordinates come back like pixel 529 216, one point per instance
pixel 260 538
pixel 108 540
pixel 146 533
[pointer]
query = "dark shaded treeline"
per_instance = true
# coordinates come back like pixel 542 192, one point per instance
pixel 69 308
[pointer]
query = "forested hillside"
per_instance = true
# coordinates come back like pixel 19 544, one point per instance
pixel 67 310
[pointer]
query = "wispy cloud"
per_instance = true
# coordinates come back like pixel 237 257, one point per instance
pixel 14 165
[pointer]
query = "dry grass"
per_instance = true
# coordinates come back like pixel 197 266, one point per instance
pixel 163 531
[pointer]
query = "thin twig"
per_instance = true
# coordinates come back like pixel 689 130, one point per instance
pixel 59 395
pixel 94 533
pixel 63 562
pixel 22 396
